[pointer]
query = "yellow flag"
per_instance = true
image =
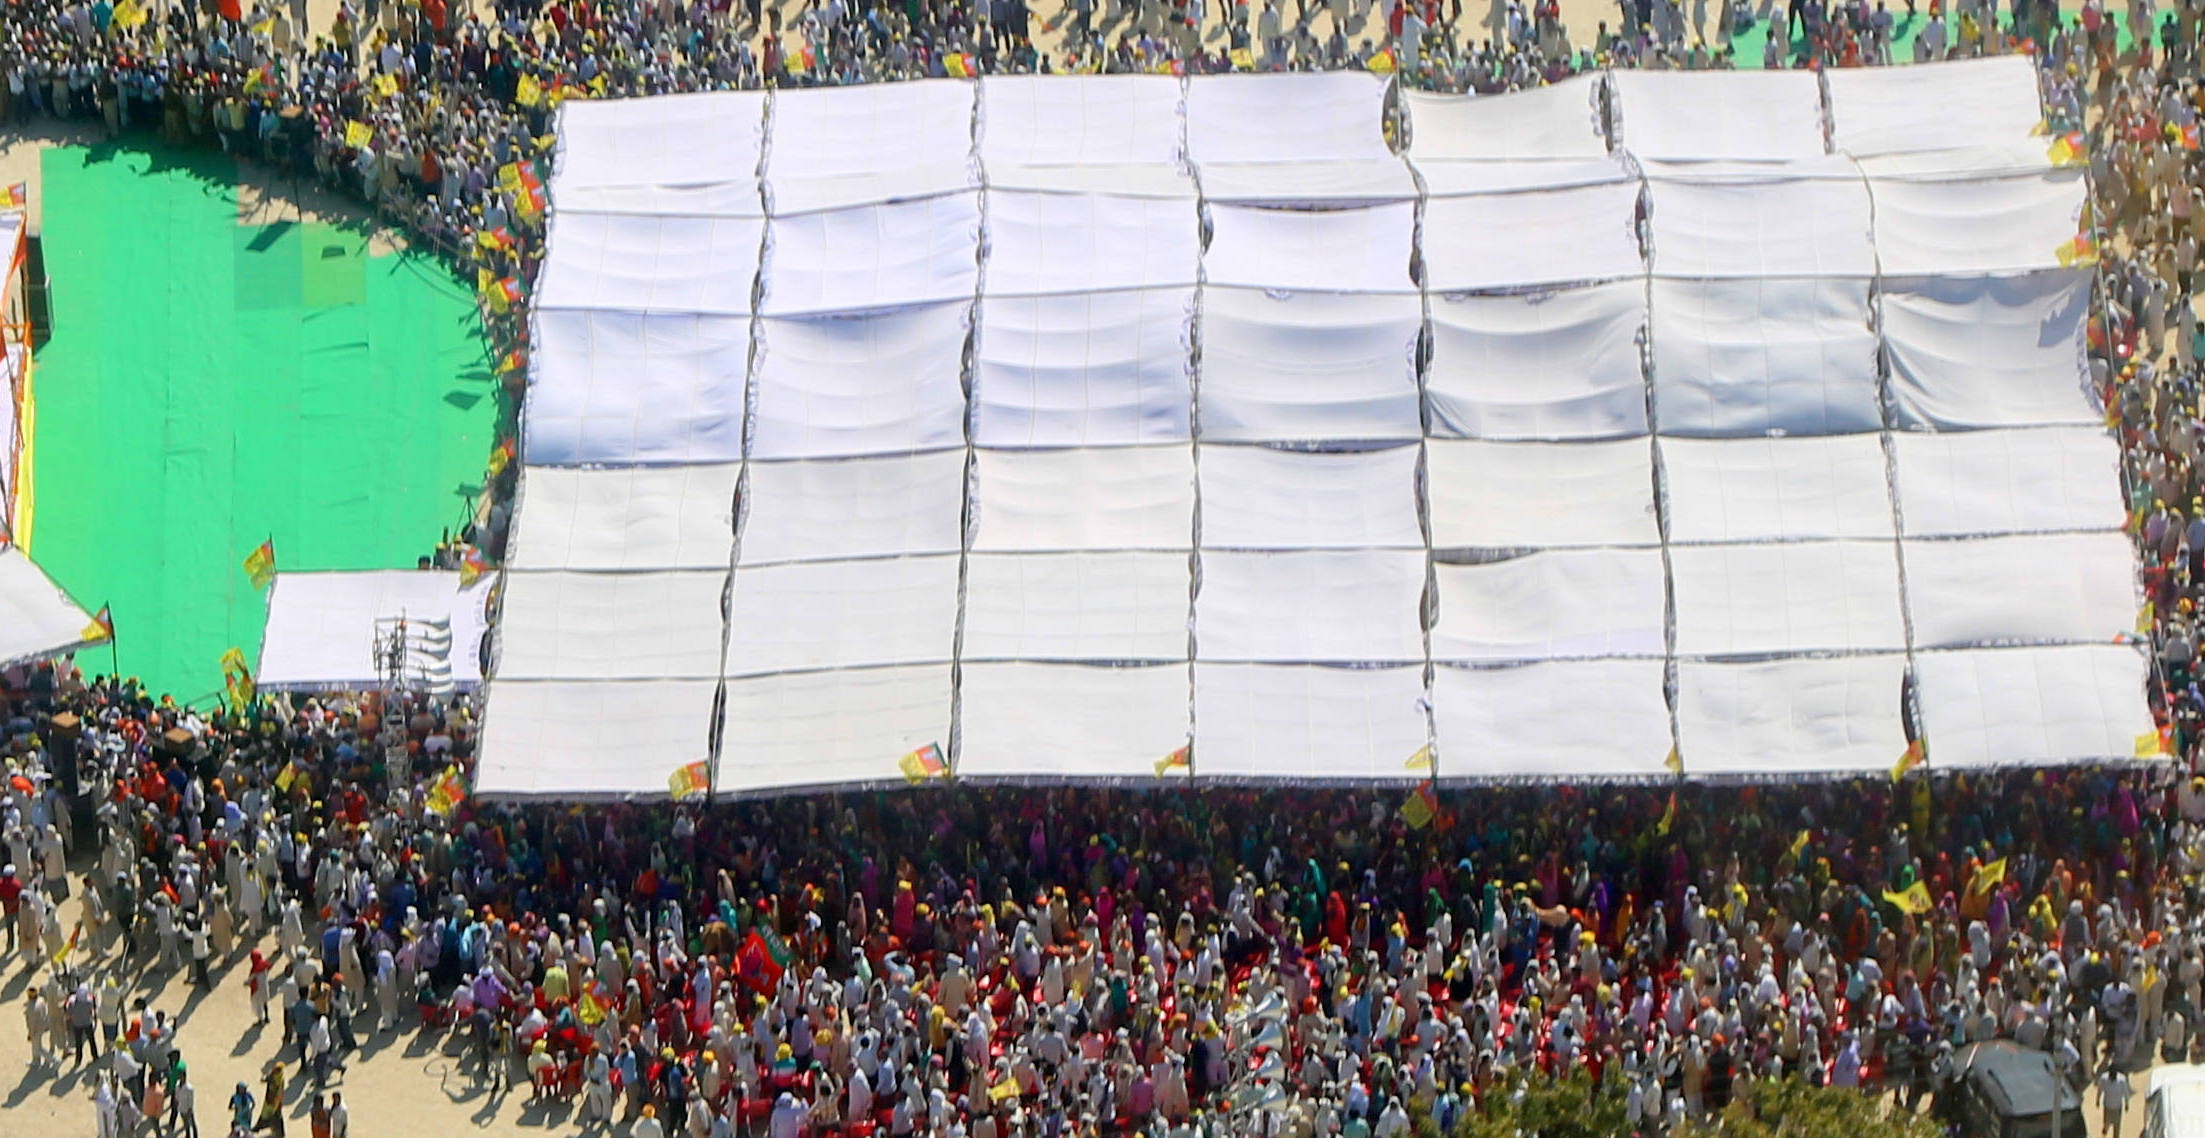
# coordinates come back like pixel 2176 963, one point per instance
pixel 101 628
pixel 923 764
pixel 357 134
pixel 696 778
pixel 2067 150
pixel 1383 63
pixel 1244 59
pixel 285 777
pixel 1799 844
pixel 386 85
pixel 233 660
pixel 954 63
pixel 2143 619
pixel 589 1009
pixel 1987 878
pixel 1913 899
pixel 1421 807
pixel 1179 760
pixel 128 14
pixel 1913 757
pixel 1668 817
pixel 1421 760
pixel 2149 745
pixel 1675 761
pixel 1005 1090
pixel 260 564
pixel 529 93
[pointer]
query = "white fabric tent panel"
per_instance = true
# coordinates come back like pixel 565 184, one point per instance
pixel 1448 178
pixel 2008 224
pixel 1991 707
pixel 854 507
pixel 618 626
pixel 1255 497
pixel 1083 120
pixel 1987 157
pixel 592 738
pixel 1308 366
pixel 1762 489
pixel 650 264
pixel 1549 365
pixel 1806 227
pixel 1309 183
pixel 1533 237
pixel 1281 722
pixel 619 387
pixel 1070 721
pixel 1762 116
pixel 1558 720
pixel 1792 716
pixel 1307 116
pixel 839 146
pixel 1810 596
pixel 36 617
pixel 1347 606
pixel 695 154
pixel 843 386
pixel 1083 498
pixel 842 614
pixel 1751 357
pixel 1077 606
pixel 1502 495
pixel 321 631
pixel 824 729
pixel 1985 482
pixel 1094 369
pixel 1340 250
pixel 2075 588
pixel 1973 352
pixel 1552 604
pixel 1882 110
pixel 1560 120
pixel 1046 244
pixel 636 517
pixel 874 256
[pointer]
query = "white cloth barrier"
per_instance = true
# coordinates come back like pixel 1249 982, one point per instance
pixel 1308 366
pixel 1255 497
pixel 622 387
pixel 844 386
pixel 1809 596
pixel 1973 352
pixel 1025 721
pixel 617 626
pixel 1888 110
pixel 1105 607
pixel 1545 365
pixel 1750 357
pixel 1560 120
pixel 2024 481
pixel 833 508
pixel 1814 222
pixel 2010 223
pixel 1552 604
pixel 1730 490
pixel 638 517
pixel 37 619
pixel 873 142
pixel 1532 237
pixel 827 729
pixel 551 738
pixel 1594 718
pixel 1992 707
pixel 640 263
pixel 991 317
pixel 2073 588
pixel 1702 115
pixel 1266 722
pixel 681 154
pixel 1502 495
pixel 1083 498
pixel 1319 606
pixel 322 631
pixel 1798 716
pixel 1084 369
pixel 812 615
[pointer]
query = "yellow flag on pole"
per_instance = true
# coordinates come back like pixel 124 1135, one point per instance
pixel 1912 899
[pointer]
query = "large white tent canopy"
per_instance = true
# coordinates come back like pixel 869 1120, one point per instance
pixel 37 619
pixel 1065 422
pixel 347 631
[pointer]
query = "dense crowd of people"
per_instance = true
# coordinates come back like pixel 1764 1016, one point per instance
pixel 995 962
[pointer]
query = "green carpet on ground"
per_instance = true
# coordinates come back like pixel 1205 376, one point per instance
pixel 210 385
